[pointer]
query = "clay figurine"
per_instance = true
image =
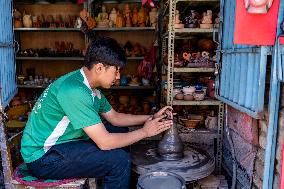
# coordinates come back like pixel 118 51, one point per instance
pixel 141 19
pixel 206 22
pixel 178 23
pixel 112 16
pixel 119 20
pixel 153 17
pixel 134 16
pixel 103 18
pixel 17 19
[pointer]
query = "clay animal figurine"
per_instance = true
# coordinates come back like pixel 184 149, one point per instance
pixel 258 6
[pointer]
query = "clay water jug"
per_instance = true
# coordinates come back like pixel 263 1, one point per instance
pixel 27 21
pixel 171 147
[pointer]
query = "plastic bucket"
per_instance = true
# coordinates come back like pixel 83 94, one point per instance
pixel 160 180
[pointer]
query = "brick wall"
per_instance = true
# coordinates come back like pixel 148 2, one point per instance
pixel 259 163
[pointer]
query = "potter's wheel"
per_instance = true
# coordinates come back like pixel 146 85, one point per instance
pixel 196 164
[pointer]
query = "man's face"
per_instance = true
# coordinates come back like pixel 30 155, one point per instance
pixel 109 75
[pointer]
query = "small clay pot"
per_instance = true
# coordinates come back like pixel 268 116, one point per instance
pixel 199 95
pixel 188 97
pixel 179 96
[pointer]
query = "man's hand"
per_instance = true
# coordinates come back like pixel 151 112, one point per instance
pixel 162 112
pixel 155 126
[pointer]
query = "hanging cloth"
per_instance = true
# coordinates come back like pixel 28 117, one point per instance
pixel 255 29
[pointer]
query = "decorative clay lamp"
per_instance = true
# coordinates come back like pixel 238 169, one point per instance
pixel 206 22
pixel 178 23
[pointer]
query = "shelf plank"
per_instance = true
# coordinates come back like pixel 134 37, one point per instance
pixel 205 102
pixel 50 58
pixel 216 1
pixel 194 70
pixel 32 86
pixel 132 88
pixel 67 58
pixel 125 29
pixel 49 29
pixel 193 30
pixel 112 88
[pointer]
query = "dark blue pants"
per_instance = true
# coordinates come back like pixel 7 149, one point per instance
pixel 83 159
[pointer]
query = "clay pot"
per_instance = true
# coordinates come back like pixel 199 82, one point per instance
pixel 188 89
pixel 206 44
pixel 199 95
pixel 146 107
pixel 17 23
pixel 123 99
pixel 179 96
pixel 27 21
pixel 171 146
pixel 190 123
pixel 188 97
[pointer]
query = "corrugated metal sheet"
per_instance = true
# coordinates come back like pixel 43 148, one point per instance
pixel 7 57
pixel 242 67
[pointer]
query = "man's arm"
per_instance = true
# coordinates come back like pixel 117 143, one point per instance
pixel 124 120
pixel 108 141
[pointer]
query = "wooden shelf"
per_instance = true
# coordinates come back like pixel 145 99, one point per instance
pixel 126 29
pixel 206 102
pixel 48 29
pixel 112 88
pixel 194 70
pixel 51 58
pixel 67 58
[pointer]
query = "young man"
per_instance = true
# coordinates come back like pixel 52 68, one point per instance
pixel 65 137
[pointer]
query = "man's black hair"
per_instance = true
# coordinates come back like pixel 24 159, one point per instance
pixel 107 51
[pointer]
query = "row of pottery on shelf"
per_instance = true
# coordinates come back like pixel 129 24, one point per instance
pixel 49 21
pixel 131 81
pixel 194 21
pixel 127 18
pixel 189 93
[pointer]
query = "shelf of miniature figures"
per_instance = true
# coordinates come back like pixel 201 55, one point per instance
pixel 51 58
pixel 133 87
pixel 68 58
pixel 206 102
pixel 125 29
pixel 48 29
pixel 32 86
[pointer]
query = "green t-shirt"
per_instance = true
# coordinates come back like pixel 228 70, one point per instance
pixel 60 113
